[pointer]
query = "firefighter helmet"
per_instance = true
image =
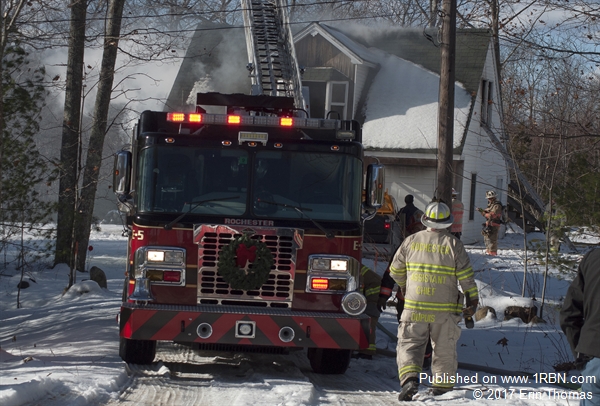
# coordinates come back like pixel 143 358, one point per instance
pixel 437 215
pixel 454 192
pixel 490 194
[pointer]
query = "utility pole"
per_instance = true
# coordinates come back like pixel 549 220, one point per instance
pixel 446 102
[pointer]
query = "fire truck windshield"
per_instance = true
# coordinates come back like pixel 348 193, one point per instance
pixel 242 182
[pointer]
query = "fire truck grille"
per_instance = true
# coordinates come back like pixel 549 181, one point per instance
pixel 277 292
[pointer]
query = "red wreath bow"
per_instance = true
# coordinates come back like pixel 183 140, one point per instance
pixel 244 255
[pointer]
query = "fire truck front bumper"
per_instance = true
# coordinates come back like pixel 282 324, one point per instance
pixel 209 324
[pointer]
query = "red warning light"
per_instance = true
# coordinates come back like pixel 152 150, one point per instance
pixel 286 121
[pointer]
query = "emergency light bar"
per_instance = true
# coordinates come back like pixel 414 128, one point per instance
pixel 265 121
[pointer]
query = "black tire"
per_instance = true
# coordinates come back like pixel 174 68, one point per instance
pixel 137 351
pixel 329 361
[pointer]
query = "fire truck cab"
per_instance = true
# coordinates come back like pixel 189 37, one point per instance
pixel 245 230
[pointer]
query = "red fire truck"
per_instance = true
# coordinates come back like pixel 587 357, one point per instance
pixel 245 231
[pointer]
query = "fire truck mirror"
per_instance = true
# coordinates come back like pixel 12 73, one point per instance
pixel 122 174
pixel 375 186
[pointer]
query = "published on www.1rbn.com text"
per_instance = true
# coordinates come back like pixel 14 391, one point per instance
pixel 503 389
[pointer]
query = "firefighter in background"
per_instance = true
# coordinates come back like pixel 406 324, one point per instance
pixel 458 209
pixel 428 267
pixel 370 284
pixel 387 287
pixel 409 217
pixel 493 220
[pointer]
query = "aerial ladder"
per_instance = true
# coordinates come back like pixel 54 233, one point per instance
pixel 272 63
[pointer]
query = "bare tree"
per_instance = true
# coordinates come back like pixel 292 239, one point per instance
pixel 70 143
pixel 96 142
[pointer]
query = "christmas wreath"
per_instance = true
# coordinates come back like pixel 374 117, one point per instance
pixel 245 263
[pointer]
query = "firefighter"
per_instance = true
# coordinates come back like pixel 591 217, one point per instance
pixel 409 217
pixel 493 220
pixel 580 321
pixel 370 285
pixel 428 267
pixel 387 287
pixel 458 209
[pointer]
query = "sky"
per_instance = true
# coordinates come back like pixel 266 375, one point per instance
pixel 61 348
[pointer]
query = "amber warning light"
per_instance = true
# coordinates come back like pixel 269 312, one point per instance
pixel 319 284
pixel 262 121
pixel 176 117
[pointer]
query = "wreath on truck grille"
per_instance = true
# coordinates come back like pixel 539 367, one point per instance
pixel 245 264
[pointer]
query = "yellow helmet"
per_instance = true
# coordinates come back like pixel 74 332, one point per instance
pixel 437 215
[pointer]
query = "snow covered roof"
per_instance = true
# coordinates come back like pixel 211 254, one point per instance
pixel 422 48
pixel 400 107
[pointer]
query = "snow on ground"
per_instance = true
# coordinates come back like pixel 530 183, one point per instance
pixel 63 348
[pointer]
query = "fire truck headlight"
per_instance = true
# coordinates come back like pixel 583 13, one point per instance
pixel 165 255
pixel 337 265
pixel 320 264
pixel 354 303
pixel 162 265
pixel 156 256
pixel 327 264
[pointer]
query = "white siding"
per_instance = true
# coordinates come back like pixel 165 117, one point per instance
pixel 481 158
pixel 411 180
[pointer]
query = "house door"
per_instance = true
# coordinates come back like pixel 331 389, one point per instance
pixel 336 100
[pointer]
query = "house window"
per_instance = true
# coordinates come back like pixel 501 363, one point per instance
pixel 337 100
pixel 473 194
pixel 487 101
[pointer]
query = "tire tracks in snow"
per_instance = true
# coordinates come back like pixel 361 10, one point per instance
pixel 182 376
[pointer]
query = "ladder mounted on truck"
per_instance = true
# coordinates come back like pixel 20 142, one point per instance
pixel 273 65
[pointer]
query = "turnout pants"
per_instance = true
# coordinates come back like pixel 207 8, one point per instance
pixel 412 340
pixel 491 240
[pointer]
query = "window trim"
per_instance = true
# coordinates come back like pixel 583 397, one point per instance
pixel 328 97
pixel 472 197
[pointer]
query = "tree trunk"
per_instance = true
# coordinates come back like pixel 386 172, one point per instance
pixel 67 189
pixel 94 153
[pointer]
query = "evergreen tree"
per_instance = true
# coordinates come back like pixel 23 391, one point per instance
pixel 25 171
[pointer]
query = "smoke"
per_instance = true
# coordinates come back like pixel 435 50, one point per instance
pixel 220 66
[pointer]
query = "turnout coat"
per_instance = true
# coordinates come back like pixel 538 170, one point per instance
pixel 428 267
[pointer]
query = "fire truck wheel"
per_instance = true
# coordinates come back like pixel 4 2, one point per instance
pixel 137 351
pixel 328 360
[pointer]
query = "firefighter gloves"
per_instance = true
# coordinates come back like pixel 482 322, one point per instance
pixel 381 303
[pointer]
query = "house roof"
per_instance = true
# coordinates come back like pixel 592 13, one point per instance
pixel 401 106
pixel 422 48
pixel 357 52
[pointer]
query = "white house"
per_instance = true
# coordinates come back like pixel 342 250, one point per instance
pixel 388 79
